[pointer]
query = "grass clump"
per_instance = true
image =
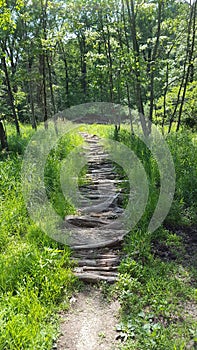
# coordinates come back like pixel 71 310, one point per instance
pixel 153 292
pixel 35 271
pixel 156 282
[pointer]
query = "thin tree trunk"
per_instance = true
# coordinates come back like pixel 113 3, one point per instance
pixel 3 138
pixel 138 88
pixel 43 59
pixel 125 29
pixel 191 52
pixel 107 45
pixel 126 81
pixel 129 105
pixel 82 46
pixel 51 84
pixel 101 81
pixel 10 94
pixel 64 59
pixel 182 84
pixel 33 118
pixel 153 59
pixel 111 84
pixel 164 98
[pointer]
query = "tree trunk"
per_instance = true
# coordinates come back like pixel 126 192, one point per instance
pixel 129 105
pixel 43 58
pixel 107 45
pixel 51 84
pixel 82 46
pixel 153 59
pixel 64 59
pixel 164 98
pixel 3 138
pixel 100 74
pixel 183 84
pixel 138 88
pixel 43 22
pixel 10 94
pixel 190 63
pixel 33 118
pixel 110 65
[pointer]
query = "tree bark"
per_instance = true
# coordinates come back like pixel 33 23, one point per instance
pixel 138 88
pixel 190 59
pixel 184 79
pixel 33 118
pixel 82 46
pixel 3 138
pixel 51 83
pixel 107 45
pixel 164 98
pixel 64 59
pixel 10 94
pixel 153 59
pixel 43 60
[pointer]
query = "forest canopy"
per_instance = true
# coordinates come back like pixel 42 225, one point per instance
pixel 56 54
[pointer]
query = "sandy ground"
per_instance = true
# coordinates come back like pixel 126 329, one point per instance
pixel 90 324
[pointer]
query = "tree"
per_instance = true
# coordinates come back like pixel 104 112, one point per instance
pixel 3 137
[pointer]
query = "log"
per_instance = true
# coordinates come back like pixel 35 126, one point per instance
pixel 100 268
pixel 98 272
pixel 100 262
pixel 112 243
pixel 91 277
pixel 94 256
pixel 84 221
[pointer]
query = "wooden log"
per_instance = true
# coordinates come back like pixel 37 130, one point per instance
pixel 100 262
pixel 100 268
pixel 98 272
pixel 91 277
pixel 94 256
pixel 112 243
pixel 84 221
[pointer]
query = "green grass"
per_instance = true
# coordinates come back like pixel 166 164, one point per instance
pixel 183 146
pixel 36 277
pixel 35 272
pixel 155 290
pixel 154 294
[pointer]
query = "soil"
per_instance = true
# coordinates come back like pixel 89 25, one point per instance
pixel 187 258
pixel 90 323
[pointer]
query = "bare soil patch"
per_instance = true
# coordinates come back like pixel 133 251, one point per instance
pixel 90 324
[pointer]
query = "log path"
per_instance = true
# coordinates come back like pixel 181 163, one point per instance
pixel 97 234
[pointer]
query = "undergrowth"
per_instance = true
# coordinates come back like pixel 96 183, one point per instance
pixel 155 285
pixel 35 271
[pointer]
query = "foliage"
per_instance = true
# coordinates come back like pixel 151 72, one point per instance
pixel 189 109
pixel 182 146
pixel 62 205
pixel 153 294
pixel 35 272
pixel 55 55
pixel 154 284
pixel 183 149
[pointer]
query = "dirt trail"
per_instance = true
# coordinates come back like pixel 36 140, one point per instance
pixel 96 241
pixel 90 324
